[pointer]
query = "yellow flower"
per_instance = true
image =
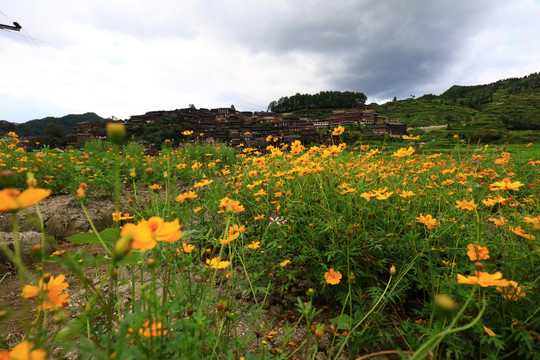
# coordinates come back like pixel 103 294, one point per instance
pixel 404 152
pixel 427 220
pixel 410 137
pixel 333 277
pixel 49 291
pixel 477 252
pixel 467 205
pixel 203 183
pixel 261 192
pixel 187 132
pixel 505 184
pixel 197 209
pixel 215 263
pixel 338 131
pixel 13 199
pixel 254 245
pixel 406 193
pixel 483 279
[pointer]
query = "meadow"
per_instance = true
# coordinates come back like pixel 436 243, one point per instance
pixel 376 250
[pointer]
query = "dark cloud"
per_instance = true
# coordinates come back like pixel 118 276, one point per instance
pixel 384 49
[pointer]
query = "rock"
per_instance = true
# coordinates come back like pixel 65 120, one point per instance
pixel 27 240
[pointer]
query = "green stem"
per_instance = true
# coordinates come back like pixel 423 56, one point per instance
pixel 437 338
pixel 364 318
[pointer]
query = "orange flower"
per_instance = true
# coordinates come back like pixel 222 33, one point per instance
pixel 149 329
pixel 284 263
pixel 512 292
pixel 141 236
pixel 427 220
pixel 155 187
pixel 49 291
pixel 187 195
pixel 483 279
pixel 163 230
pixel 520 232
pixel 230 237
pixel 535 222
pixel 23 351
pixel 466 205
pixel 13 199
pixel 333 277
pixel 338 131
pixel 229 205
pixel 477 252
pixel 187 248
pixel 146 234
pixel 117 216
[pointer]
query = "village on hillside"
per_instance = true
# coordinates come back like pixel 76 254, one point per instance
pixel 249 128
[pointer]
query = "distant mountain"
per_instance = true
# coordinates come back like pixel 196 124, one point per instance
pixel 37 127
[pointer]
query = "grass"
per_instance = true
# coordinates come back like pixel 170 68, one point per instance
pixel 360 250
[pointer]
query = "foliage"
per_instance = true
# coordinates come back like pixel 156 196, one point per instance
pixel 321 100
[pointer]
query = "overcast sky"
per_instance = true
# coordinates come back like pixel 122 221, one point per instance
pixel 121 58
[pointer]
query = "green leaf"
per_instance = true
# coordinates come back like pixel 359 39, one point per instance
pixel 343 322
pixel 108 236
pixel 71 330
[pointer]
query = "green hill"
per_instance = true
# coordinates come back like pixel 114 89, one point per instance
pixel 507 110
pixel 38 126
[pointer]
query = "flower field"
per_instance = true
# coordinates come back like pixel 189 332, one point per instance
pixel 327 252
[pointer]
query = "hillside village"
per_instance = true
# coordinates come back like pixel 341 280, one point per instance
pixel 249 128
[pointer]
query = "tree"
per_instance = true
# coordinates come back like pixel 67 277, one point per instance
pixel 55 131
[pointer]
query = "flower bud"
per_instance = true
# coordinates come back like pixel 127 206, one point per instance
pixel 3 314
pixel 151 263
pixel 167 144
pixel 222 306
pixel 149 171
pixel 37 249
pixel 46 278
pixel 445 302
pixel 478 265
pixel 393 270
pixel 317 329
pixel 7 178
pixel 116 132
pixel 122 247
